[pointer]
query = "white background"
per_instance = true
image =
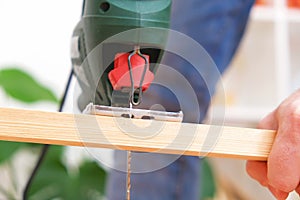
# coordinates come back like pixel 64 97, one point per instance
pixel 35 36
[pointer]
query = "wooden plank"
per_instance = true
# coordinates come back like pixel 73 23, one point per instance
pixel 134 134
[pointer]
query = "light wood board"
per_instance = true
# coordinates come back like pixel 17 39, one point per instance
pixel 134 134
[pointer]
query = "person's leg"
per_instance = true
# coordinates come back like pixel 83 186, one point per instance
pixel 167 183
pixel 217 25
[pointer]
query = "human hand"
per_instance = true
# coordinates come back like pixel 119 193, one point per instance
pixel 281 172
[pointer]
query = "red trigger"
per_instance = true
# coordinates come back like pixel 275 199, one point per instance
pixel 120 75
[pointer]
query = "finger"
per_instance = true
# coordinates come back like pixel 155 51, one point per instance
pixel 258 171
pixel 280 195
pixel 298 189
pixel 269 122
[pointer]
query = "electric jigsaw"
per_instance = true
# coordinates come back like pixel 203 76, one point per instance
pixel 115 71
pixel 116 49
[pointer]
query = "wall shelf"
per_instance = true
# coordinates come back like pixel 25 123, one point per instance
pixel 263 13
pixel 269 13
pixel 266 68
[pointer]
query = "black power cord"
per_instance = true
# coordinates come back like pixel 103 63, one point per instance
pixel 46 146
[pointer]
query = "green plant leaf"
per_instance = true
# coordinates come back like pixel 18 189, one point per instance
pixel 53 181
pixel 90 182
pixel 208 182
pixel 7 149
pixel 23 87
pixel 52 177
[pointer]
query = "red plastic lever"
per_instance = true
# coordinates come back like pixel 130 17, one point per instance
pixel 120 75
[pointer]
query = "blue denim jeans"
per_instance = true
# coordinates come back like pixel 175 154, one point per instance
pixel 218 26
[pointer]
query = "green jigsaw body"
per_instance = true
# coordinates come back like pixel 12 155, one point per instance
pixel 105 19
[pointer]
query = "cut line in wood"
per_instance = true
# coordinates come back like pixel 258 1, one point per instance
pixel 134 134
